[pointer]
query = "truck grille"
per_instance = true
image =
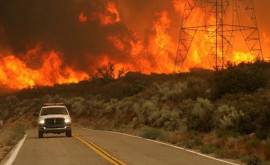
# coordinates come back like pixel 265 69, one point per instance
pixel 54 122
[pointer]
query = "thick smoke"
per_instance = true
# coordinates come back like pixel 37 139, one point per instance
pixel 263 18
pixel 54 25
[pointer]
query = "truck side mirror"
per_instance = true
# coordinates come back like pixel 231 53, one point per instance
pixel 35 114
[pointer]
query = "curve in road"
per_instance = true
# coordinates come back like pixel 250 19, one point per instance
pixel 61 150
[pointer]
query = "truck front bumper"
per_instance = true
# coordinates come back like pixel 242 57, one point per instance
pixel 44 129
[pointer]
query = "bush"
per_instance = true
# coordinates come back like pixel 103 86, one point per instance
pixel 242 78
pixel 136 125
pixel 170 90
pixel 227 118
pixel 248 113
pixel 208 149
pixel 252 160
pixel 121 122
pixel 77 106
pixel 154 134
pixel 201 116
pixel 263 123
pixel 196 87
pixel 16 134
pixel 136 87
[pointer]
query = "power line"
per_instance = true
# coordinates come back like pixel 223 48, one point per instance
pixel 222 20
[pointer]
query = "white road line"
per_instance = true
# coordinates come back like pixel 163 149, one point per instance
pixel 13 154
pixel 166 144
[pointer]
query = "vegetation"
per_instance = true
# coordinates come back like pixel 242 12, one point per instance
pixel 9 137
pixel 215 112
pixel 243 78
pixel 252 160
pixel 154 134
pixel 16 133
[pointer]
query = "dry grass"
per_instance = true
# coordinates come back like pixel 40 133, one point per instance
pixel 9 137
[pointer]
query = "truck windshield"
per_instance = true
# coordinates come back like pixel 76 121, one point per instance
pixel 54 110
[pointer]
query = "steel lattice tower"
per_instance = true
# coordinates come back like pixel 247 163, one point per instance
pixel 219 21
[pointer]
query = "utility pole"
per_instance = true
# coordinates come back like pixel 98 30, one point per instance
pixel 230 17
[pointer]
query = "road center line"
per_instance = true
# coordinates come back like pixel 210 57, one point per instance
pixel 170 145
pixel 99 150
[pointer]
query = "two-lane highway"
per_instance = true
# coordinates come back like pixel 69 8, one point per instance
pixel 61 150
pixel 56 150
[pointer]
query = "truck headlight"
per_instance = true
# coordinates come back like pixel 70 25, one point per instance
pixel 67 120
pixel 41 121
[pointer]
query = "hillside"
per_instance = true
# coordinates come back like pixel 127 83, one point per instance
pixel 226 112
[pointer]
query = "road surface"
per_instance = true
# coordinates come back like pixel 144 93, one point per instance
pixel 61 150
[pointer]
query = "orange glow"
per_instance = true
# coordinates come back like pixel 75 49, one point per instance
pixel 111 15
pixel 117 43
pixel 202 53
pixel 117 66
pixel 152 51
pixel 113 10
pixel 265 38
pixel 82 18
pixel 239 57
pixel 162 46
pixel 179 5
pixel 15 74
pixel 158 56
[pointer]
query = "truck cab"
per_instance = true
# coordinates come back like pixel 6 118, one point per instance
pixel 54 118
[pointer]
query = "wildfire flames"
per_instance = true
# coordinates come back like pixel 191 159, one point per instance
pixel 105 33
pixel 110 16
pixel 15 74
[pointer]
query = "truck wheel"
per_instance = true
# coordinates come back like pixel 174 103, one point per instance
pixel 69 133
pixel 40 134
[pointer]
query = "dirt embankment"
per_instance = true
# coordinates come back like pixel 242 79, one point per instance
pixel 12 131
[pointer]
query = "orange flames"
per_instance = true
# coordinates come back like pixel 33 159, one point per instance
pixel 202 51
pixel 82 18
pixel 157 54
pixel 111 15
pixel 162 46
pixel 179 5
pixel 15 74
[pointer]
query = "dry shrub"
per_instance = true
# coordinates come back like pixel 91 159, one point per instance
pixel 207 149
pixel 185 136
pixel 231 153
pixel 201 116
pixel 230 142
pixel 266 153
pixel 208 139
pixel 266 150
pixel 176 137
pixel 253 159
pixel 227 118
pixel 155 135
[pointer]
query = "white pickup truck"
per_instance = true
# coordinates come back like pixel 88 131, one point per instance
pixel 54 118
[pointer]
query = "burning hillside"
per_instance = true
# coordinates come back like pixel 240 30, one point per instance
pixel 49 42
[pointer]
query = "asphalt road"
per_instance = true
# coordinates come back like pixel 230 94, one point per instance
pixel 61 150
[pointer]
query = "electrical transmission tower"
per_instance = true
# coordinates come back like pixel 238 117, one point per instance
pixel 217 23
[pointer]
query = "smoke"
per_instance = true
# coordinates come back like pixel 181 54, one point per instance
pixel 56 25
pixel 263 13
pixel 139 34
